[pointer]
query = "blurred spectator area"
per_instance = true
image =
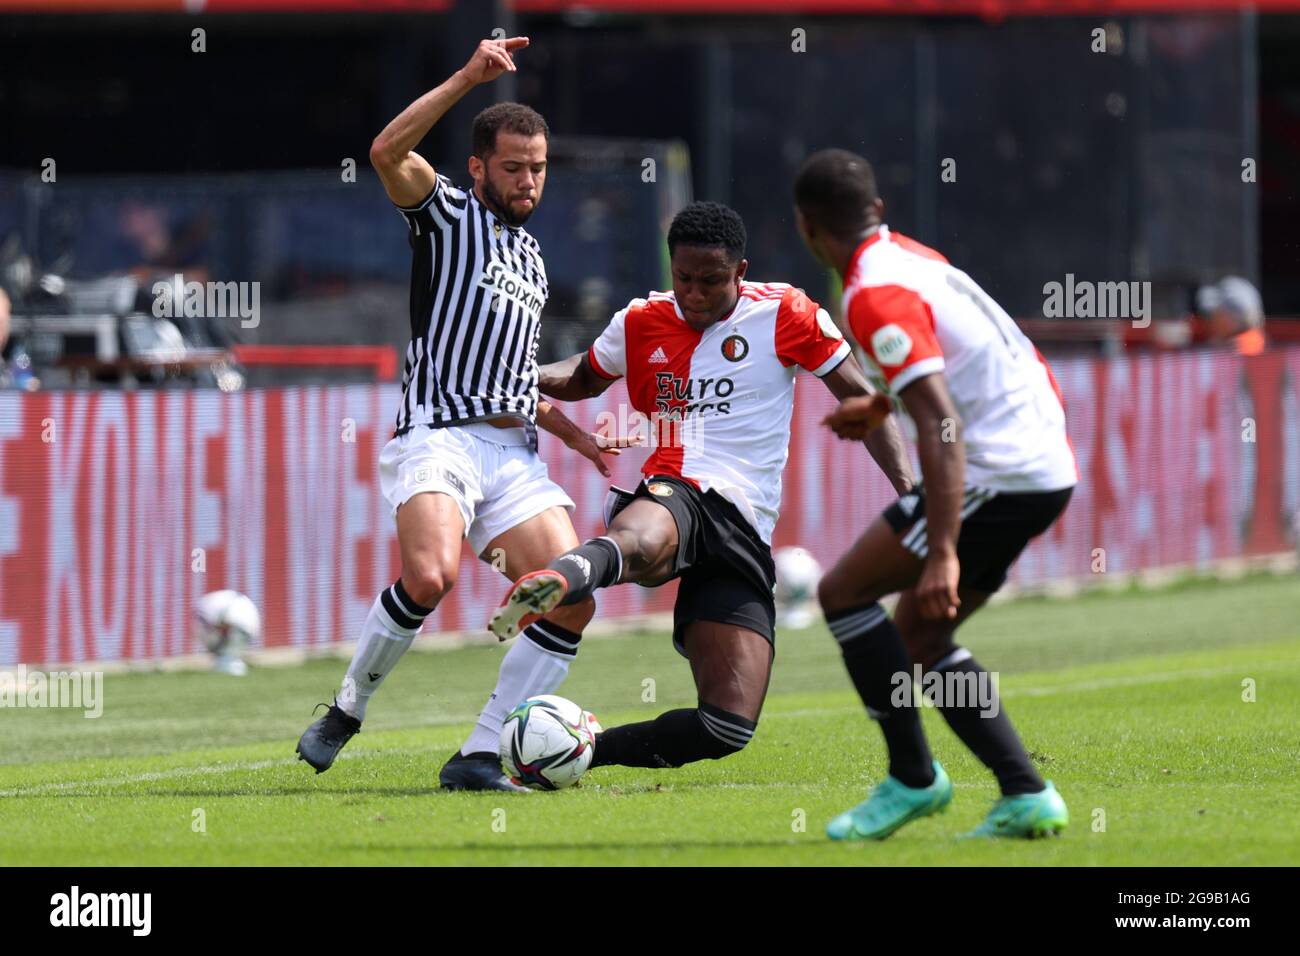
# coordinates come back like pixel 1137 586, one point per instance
pixel 331 257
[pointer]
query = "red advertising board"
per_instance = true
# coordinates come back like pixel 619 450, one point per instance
pixel 118 509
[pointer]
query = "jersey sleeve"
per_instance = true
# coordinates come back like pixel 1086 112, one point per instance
pixel 444 205
pixel 806 336
pixel 608 354
pixel 895 326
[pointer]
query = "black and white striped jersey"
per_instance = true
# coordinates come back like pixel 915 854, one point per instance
pixel 477 291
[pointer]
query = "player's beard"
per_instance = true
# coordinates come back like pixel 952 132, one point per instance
pixel 501 209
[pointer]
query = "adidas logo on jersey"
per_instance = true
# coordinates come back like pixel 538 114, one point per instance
pixel 658 357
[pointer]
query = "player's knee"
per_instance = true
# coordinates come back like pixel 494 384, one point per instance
pixel 830 594
pixel 724 733
pixel 643 550
pixel 427 583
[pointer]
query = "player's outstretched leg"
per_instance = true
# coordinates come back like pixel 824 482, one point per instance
pixel 732 666
pixel 429 529
pixel 569 579
pixel 640 547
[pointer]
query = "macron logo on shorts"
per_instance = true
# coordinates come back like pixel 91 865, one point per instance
pixel 891 345
pixel 425 474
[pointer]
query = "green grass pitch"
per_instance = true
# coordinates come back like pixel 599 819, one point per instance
pixel 1131 702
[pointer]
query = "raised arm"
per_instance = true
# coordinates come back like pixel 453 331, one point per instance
pixel 879 430
pixel 407 176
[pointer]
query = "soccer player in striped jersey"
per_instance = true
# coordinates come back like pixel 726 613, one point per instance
pixel 712 365
pixel 996 469
pixel 464 462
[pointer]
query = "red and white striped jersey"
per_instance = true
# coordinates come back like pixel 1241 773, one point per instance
pixel 914 314
pixel 728 391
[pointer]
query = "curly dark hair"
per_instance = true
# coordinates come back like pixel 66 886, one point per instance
pixel 511 117
pixel 835 189
pixel 708 224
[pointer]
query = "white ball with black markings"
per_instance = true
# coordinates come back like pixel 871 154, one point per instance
pixel 547 742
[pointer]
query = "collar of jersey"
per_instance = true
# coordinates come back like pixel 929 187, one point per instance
pixel 882 232
pixel 678 309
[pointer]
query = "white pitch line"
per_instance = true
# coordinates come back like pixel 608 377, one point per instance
pixel 174 772
pixel 37 789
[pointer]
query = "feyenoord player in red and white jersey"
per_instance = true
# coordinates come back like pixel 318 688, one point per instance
pixel 712 363
pixel 996 471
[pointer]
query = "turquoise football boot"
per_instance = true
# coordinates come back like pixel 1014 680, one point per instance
pixel 1027 816
pixel 891 805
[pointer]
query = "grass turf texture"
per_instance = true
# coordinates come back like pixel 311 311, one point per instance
pixel 1131 702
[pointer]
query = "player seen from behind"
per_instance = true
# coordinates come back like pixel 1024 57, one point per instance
pixel 996 471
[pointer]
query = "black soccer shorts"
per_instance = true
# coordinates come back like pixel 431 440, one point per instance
pixel 995 527
pixel 725 569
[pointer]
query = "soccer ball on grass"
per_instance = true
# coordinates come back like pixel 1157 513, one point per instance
pixel 547 742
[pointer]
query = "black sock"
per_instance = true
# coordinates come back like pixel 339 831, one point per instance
pixel 596 564
pixel 984 726
pixel 674 738
pixel 876 657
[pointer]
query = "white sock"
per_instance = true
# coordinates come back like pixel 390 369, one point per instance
pixel 383 642
pixel 526 671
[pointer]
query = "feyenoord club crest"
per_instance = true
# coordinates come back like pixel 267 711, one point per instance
pixel 734 348
pixel 660 489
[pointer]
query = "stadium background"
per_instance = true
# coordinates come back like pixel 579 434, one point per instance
pixel 225 165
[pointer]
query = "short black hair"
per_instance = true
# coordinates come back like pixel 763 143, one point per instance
pixel 511 117
pixel 836 190
pixel 708 224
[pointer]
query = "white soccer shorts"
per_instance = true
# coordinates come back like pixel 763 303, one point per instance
pixel 495 477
